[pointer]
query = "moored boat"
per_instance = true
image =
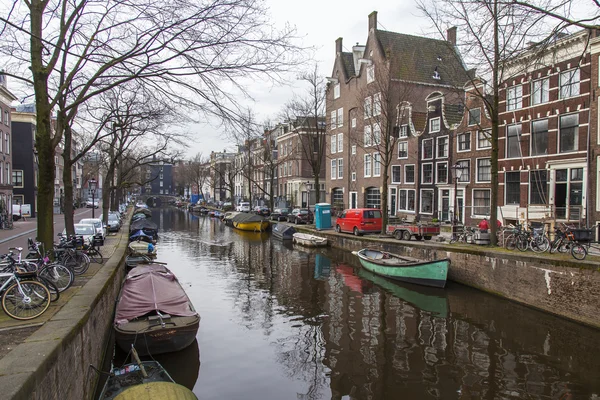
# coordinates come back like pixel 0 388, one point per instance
pixel 153 312
pixel 141 248
pixel 308 240
pixel 228 216
pixel 250 222
pixel 406 269
pixel 283 232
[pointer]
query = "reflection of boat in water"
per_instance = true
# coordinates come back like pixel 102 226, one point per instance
pixel 183 365
pixel 406 269
pixel 253 236
pixel 426 299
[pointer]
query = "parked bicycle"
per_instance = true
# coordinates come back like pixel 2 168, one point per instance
pixel 22 298
pixel 466 236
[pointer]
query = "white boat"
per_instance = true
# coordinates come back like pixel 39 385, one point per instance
pixel 308 240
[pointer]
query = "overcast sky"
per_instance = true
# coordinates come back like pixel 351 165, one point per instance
pixel 320 23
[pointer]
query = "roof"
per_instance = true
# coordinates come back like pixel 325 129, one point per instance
pixel 348 63
pixel 415 58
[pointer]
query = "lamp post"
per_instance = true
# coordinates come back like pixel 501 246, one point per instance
pixel 92 187
pixel 457 171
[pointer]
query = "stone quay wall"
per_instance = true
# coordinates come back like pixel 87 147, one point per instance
pixel 557 284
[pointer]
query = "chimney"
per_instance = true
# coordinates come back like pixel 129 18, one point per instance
pixel 338 46
pixel 373 20
pixel 451 35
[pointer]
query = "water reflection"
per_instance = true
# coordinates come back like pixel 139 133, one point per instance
pixel 280 323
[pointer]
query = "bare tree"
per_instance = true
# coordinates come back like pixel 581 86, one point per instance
pixel 193 52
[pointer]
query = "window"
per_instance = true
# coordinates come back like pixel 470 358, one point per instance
pixel 370 73
pixel 427 173
pixel 367 138
pixel 540 91
pixel 406 200
pixel 442 147
pixel 17 178
pixel 373 198
pixel 568 135
pixel 354 177
pixel 340 142
pixel 376 104
pixel 427 149
pixel 513 141
pixel 442 172
pixel 333 144
pixel 514 99
pixel 340 117
pixel 403 131
pixel 340 163
pixel 6 143
pixel 434 125
pixel 336 91
pixel 353 149
pixel 161 183
pixel 539 137
pixel 569 83
pixel 484 140
pixel 333 169
pixel 353 122
pixel 475 116
pixel 512 187
pixel 333 119
pixel 376 133
pixel 0 141
pixel 482 201
pixel 367 165
pixel 409 174
pixel 6 117
pixel 466 170
pixel 396 173
pixel 367 107
pixel 427 201
pixel 376 164
pixel 538 187
pixel 464 141
pixel 484 170
pixel 402 149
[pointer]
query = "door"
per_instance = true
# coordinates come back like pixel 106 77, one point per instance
pixel 460 204
pixel 353 200
pixel 393 198
pixel 445 205
pixel 568 193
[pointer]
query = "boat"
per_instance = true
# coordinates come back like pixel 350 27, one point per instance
pixel 140 248
pixel 250 222
pixel 145 211
pixel 140 235
pixel 153 312
pixel 308 240
pixel 143 379
pixel 407 269
pixel 228 216
pixel 283 232
pixel 133 260
pixel 146 225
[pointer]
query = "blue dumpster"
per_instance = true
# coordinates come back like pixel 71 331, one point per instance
pixel 322 216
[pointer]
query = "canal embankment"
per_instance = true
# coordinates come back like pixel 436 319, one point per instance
pixel 556 284
pixel 54 362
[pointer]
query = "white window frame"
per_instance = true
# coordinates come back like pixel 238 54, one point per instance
pixel 423 165
pixel 423 149
pixel 541 94
pixel 368 136
pixel 370 73
pixel 333 166
pixel 473 201
pixel 399 168
pixel 340 117
pixel 466 134
pixel 432 201
pixel 447 139
pixel 572 85
pixel 477 169
pixel 514 97
pixel 353 149
pixel 376 133
pixel 469 116
pixel 336 91
pixel 368 112
pixel 333 144
pixel 405 143
pixel 340 142
pixel 403 131
pixel 22 178
pixel 414 196
pixel 353 124
pixel 376 164
pixel 367 166
pixel 437 178
pixel 468 174
pixel 353 176
pixel 377 104
pixel 340 168
pixel 434 125
pixel 489 140
pixel 414 173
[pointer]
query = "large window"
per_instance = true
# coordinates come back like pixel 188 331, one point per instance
pixel 538 187
pixel 367 165
pixel 396 173
pixel 406 200
pixel 427 201
pixel 402 149
pixel 376 164
pixel 340 117
pixel 373 198
pixel 484 140
pixel 464 141
pixel 367 138
pixel 568 136
pixel 367 106
pixel 434 125
pixel 336 91
pixel 514 98
pixel 337 196
pixel 512 187
pixel 465 175
pixel 484 170
pixel 441 172
pixel 409 174
pixel 427 149
pixel 340 143
pixel 442 147
pixel 376 104
pixel 17 178
pixel 370 73
pixel 376 133
pixel 333 119
pixel 539 137
pixel 481 201
pixel 333 169
pixel 427 173
pixel 569 83
pixel 403 131
pixel 540 91
pixel 333 144
pixel 340 163
pixel 475 116
pixel 513 141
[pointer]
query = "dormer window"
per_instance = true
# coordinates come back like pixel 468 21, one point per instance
pixel 436 74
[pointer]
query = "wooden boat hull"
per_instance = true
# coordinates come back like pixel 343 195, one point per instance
pixel 252 226
pixel 152 338
pixel 283 232
pixel 428 273
pixel 309 240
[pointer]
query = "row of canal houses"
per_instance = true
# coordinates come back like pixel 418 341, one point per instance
pixel 549 138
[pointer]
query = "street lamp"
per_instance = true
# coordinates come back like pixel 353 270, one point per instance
pixel 457 171
pixel 92 187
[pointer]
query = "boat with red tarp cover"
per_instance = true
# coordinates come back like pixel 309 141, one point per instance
pixel 154 313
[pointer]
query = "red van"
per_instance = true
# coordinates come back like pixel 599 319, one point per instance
pixel 360 221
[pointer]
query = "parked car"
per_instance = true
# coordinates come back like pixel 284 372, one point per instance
pixel 243 207
pixel 114 223
pixel 359 221
pixel 91 203
pixel 98 225
pixel 301 216
pixel 262 210
pixel 16 212
pixel 86 230
pixel 280 214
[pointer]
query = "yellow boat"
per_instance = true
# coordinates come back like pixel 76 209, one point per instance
pixel 250 222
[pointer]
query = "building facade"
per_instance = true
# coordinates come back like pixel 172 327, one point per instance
pixel 25 169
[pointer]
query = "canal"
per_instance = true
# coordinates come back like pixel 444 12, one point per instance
pixel 282 322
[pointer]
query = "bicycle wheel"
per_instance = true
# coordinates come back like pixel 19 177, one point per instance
pixel 510 242
pixel 95 256
pixel 540 245
pixel 578 251
pixel 58 274
pixel 52 289
pixel 454 239
pixel 522 243
pixel 25 300
pixel 82 263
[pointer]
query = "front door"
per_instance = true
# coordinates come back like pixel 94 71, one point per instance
pixel 353 200
pixel 568 193
pixel 445 204
pixel 392 206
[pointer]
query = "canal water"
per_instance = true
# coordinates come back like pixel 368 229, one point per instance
pixel 283 322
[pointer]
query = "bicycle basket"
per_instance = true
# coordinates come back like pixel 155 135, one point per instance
pixel 583 235
pixel 24 274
